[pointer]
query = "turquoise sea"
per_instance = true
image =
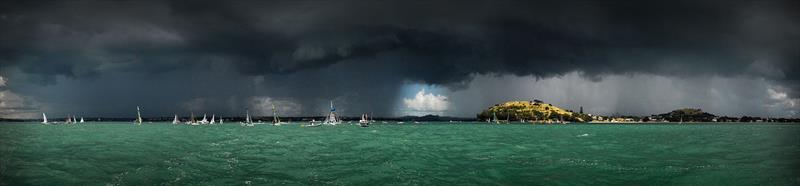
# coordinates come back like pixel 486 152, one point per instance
pixel 391 154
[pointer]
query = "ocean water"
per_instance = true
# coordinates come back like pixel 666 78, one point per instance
pixel 409 154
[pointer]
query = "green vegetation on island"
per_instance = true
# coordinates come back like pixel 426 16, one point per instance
pixel 531 111
pixel 685 115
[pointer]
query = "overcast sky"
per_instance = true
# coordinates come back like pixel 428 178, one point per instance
pixel 394 58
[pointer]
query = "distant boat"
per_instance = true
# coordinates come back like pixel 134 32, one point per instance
pixel 313 123
pixel 44 118
pixel 175 120
pixel 69 120
pixel 138 116
pixel 213 120
pixel 192 121
pixel 331 119
pixel 220 119
pixel 81 120
pixel 364 122
pixel 275 119
pixel 204 121
pixel 247 120
pixel 494 118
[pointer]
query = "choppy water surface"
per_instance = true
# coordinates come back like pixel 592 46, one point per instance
pixel 421 154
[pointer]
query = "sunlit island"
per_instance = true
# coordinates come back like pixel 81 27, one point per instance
pixel 537 111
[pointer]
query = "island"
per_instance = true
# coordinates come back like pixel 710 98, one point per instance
pixel 531 111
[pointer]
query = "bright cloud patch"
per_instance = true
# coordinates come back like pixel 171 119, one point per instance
pixel 16 106
pixel 781 98
pixel 426 103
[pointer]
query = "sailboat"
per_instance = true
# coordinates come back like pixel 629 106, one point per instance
pixel 212 119
pixel 81 120
pixel 69 120
pixel 138 116
pixel 175 120
pixel 364 122
pixel 204 121
pixel 44 119
pixel 275 119
pixel 220 120
pixel 494 118
pixel 192 121
pixel 331 119
pixel 247 120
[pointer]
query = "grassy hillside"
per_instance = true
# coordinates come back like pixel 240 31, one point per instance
pixel 530 110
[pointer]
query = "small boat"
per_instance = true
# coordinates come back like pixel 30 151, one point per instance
pixel 213 120
pixel 175 120
pixel 192 121
pixel 275 119
pixel 332 119
pixel 220 120
pixel 81 120
pixel 138 120
pixel 312 123
pixel 248 122
pixel 204 121
pixel 363 122
pixel 44 119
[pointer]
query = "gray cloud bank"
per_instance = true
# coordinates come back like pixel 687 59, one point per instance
pixel 103 56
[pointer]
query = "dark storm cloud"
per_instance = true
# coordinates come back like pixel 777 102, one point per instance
pixel 434 42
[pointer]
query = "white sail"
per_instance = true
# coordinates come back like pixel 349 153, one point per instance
pixel 175 120
pixel 81 120
pixel 138 116
pixel 220 120
pixel 213 120
pixel 69 120
pixel 44 118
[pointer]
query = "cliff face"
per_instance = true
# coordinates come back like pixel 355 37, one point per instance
pixel 531 111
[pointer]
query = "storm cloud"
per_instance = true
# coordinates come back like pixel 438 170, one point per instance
pixel 225 57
